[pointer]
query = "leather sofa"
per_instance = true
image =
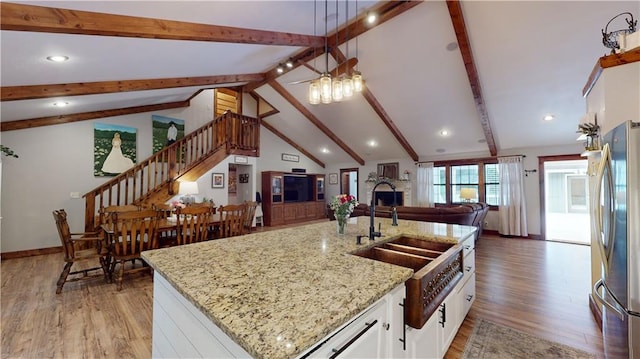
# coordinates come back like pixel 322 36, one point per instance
pixel 470 214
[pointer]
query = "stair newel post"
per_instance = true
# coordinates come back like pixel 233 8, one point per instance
pixel 89 212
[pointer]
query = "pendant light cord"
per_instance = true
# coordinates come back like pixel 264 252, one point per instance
pixel 326 44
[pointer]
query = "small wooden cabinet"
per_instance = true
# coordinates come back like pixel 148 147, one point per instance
pixel 292 197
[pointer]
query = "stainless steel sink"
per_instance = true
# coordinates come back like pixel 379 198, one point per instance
pixel 437 269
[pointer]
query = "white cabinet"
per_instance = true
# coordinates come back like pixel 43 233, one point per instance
pixel 435 337
pixel 424 343
pixel 375 333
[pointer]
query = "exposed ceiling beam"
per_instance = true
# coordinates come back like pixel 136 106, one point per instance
pixel 377 107
pixel 290 142
pixel 20 17
pixel 57 120
pixel 300 107
pixel 386 11
pixel 455 11
pixel 13 93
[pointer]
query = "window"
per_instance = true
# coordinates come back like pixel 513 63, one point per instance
pixel 463 177
pixel 482 175
pixel 492 184
pixel 439 185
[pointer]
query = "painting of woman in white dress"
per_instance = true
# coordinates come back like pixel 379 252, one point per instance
pixel 115 149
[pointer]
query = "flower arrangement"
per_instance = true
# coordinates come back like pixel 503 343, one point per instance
pixel 177 204
pixel 343 204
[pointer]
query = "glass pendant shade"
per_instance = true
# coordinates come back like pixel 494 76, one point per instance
pixel 337 90
pixel 325 88
pixel 357 81
pixel 347 87
pixel 314 92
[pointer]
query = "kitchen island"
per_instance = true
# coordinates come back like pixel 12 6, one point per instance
pixel 278 293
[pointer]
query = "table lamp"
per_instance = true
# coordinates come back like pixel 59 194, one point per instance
pixel 467 194
pixel 188 189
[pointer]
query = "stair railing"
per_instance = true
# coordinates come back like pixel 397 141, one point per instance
pixel 230 132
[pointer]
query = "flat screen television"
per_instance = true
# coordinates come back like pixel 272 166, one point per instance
pixel 298 188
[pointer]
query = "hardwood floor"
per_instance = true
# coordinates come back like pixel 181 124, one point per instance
pixel 537 287
pixel 541 288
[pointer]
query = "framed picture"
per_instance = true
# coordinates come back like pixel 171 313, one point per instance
pixel 290 158
pixel 244 178
pixel 333 178
pixel 217 180
pixel 114 149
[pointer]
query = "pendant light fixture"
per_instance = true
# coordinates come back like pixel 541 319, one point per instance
pixel 326 89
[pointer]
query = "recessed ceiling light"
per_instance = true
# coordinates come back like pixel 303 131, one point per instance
pixel 482 140
pixel 444 133
pixel 324 150
pixel 372 17
pixel 440 150
pixel 372 143
pixel 452 46
pixel 58 58
pixel 549 117
pixel 61 103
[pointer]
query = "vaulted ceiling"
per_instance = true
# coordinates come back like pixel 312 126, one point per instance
pixel 485 71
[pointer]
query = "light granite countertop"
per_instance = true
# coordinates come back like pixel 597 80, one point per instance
pixel 276 293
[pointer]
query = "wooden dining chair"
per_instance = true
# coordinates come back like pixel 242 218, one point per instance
pixel 95 251
pixel 194 224
pixel 166 237
pixel 250 212
pixel 134 232
pixel 105 212
pixel 232 219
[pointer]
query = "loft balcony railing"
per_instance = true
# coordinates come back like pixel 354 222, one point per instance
pixel 231 133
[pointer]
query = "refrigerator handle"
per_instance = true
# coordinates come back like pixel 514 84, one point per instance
pixel 615 308
pixel 597 210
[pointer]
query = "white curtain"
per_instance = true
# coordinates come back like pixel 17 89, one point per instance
pixel 425 185
pixel 513 209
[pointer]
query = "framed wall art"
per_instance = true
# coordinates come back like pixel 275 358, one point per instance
pixel 333 178
pixel 290 157
pixel 217 180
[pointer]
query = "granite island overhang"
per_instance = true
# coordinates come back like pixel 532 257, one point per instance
pixel 276 293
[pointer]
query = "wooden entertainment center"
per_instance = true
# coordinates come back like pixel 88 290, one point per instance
pixel 290 197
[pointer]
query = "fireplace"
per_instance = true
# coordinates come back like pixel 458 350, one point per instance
pixel 386 198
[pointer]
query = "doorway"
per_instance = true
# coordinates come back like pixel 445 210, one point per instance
pixel 565 199
pixel 349 181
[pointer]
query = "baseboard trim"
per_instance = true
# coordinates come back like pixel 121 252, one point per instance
pixel 496 233
pixel 595 311
pixel 30 253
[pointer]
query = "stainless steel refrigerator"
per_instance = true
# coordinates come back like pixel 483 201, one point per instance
pixel 616 223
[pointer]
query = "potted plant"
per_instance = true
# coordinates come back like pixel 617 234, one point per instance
pixel 591 131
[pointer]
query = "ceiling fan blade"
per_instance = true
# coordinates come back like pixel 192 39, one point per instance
pixel 342 68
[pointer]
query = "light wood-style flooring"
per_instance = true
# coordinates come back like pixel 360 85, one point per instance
pixel 537 287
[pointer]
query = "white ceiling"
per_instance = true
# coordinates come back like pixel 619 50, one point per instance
pixel 532 57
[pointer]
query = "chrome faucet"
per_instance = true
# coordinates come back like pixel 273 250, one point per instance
pixel 372 209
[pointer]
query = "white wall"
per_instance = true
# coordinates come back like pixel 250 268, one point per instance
pixel 57 160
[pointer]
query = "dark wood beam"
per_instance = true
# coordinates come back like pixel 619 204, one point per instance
pixel 384 116
pixel 455 12
pixel 290 142
pixel 20 17
pixel 300 107
pixel 57 120
pixel 13 93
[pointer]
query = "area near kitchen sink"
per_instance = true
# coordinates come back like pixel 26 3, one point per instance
pixel 437 269
pixel 276 294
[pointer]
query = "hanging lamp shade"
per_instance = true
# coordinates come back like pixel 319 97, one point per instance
pixel 325 88
pixel 314 92
pixel 347 87
pixel 357 81
pixel 337 90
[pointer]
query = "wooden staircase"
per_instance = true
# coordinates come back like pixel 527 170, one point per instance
pixel 154 179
